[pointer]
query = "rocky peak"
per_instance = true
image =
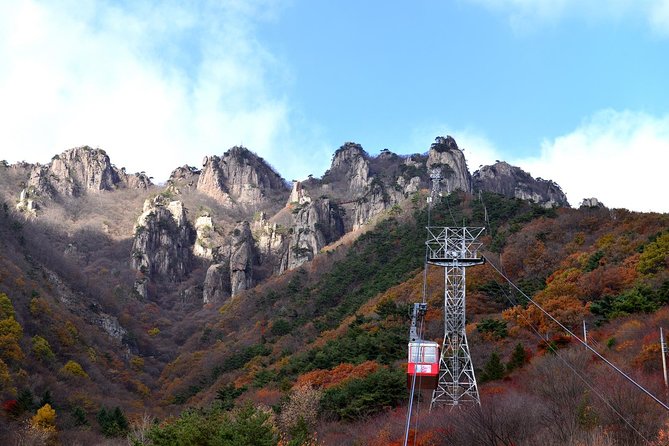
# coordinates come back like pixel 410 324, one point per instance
pixel 240 177
pixel 445 155
pixel 81 170
pixel 591 203
pixel 234 271
pixel 511 181
pixel 162 240
pixel 350 167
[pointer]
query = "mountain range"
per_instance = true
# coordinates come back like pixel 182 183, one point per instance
pixel 230 284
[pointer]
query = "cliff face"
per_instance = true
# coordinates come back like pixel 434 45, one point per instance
pixel 80 170
pixel 350 167
pixel 233 271
pixel 315 225
pixel 241 178
pixel 163 240
pixel 445 155
pixel 512 181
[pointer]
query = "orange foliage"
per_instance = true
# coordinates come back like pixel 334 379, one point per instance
pixel 343 372
pixel 650 357
pixel 561 298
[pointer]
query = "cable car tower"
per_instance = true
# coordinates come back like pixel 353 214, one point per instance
pixel 454 249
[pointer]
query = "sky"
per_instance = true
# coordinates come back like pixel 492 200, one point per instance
pixel 575 91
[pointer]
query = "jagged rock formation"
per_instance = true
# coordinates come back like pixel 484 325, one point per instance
pixel 234 269
pixel 204 237
pixel 216 286
pixel 315 225
pixel 240 178
pixel 298 194
pixel 184 177
pixel 591 203
pixel 80 170
pixel 269 236
pixel 242 258
pixel 379 198
pixel 350 166
pixel 511 181
pixel 445 155
pixel 163 239
pixel 27 203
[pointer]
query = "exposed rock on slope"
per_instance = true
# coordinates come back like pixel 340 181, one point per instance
pixel 512 181
pixel 184 177
pixel 80 170
pixel 445 155
pixel 591 203
pixel 241 178
pixel 163 241
pixel 234 270
pixel 350 168
pixel 315 225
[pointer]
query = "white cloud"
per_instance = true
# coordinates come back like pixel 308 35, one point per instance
pixel 526 15
pixel 619 157
pixel 156 86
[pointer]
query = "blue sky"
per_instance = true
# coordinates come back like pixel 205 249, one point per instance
pixel 567 89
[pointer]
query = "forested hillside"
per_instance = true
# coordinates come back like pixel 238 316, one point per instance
pixel 316 353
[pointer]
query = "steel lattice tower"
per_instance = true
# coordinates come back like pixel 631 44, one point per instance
pixel 454 249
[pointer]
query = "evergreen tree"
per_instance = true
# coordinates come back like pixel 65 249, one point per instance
pixel 517 358
pixel 79 417
pixel 493 369
pixel 113 423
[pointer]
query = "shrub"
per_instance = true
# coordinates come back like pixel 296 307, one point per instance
pixel 247 426
pixel 281 327
pixel 42 350
pixel 45 419
pixel 360 398
pixel 492 328
pixel 6 307
pixel 72 368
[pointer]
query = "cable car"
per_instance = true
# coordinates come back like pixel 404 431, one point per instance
pixel 424 364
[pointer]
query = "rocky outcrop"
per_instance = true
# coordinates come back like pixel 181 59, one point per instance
pixel 80 170
pixel 183 178
pixel 349 170
pixel 591 203
pixel 216 284
pixel 27 204
pixel 445 155
pixel 315 225
pixel 378 199
pixel 240 178
pixel 234 270
pixel 269 236
pixel 298 194
pixel 511 181
pixel 163 240
pixel 242 258
pixel 204 237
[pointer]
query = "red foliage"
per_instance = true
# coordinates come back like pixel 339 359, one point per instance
pixel 11 407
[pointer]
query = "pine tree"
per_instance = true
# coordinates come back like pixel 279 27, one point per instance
pixel 493 369
pixel 518 358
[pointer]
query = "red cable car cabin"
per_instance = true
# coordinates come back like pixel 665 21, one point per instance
pixel 424 363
